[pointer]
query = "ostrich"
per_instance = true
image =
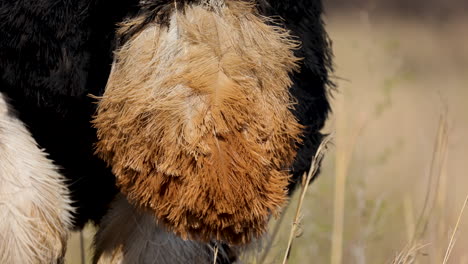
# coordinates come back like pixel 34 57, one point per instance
pixel 54 54
pixel 206 106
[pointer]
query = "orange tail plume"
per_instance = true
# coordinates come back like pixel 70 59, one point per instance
pixel 196 121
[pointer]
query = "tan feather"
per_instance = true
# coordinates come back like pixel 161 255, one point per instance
pixel 196 121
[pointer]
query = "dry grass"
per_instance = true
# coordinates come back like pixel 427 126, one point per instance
pixel 306 179
pixel 408 254
pixel 400 121
pixel 396 78
pixel 453 237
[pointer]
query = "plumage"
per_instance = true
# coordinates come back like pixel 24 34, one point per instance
pixel 53 54
pixel 35 205
pixel 312 82
pixel 196 120
pixel 129 235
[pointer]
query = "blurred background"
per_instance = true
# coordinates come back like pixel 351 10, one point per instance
pixel 394 180
pixel 415 9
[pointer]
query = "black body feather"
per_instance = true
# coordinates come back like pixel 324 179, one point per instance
pixel 52 55
pixel 311 85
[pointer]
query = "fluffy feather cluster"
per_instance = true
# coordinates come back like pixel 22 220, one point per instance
pixel 196 120
pixel 35 211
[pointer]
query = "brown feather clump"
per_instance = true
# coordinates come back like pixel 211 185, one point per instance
pixel 196 120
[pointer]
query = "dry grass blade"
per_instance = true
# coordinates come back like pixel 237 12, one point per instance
pixel 439 154
pixel 452 238
pixel 408 254
pixel 435 172
pixel 215 258
pixel 344 150
pixel 305 184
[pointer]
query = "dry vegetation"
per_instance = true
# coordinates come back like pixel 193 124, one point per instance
pixel 400 154
pixel 393 186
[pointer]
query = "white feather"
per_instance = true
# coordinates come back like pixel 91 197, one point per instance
pixel 35 211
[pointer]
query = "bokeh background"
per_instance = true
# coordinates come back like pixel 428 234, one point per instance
pixel 399 161
pixel 395 178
